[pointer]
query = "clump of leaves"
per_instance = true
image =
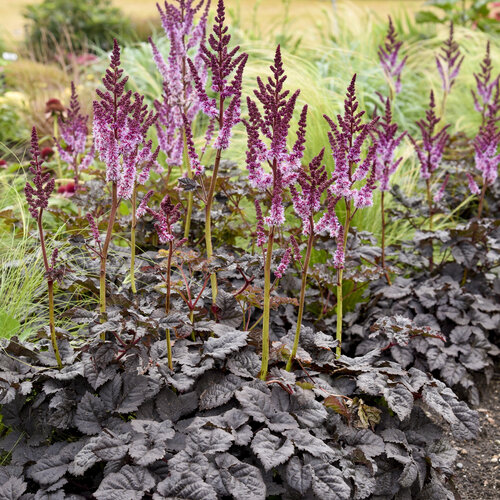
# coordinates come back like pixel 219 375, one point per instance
pixel 121 423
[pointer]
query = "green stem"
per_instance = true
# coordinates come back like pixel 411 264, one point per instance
pixel 267 306
pixel 187 167
pixel 302 298
pixel 132 241
pixel 52 324
pixel 340 274
pixel 104 253
pixel 383 238
pixel 481 201
pixel 167 300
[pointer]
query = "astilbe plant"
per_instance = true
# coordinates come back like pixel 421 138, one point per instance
pixel 313 182
pixel 121 123
pixel 180 104
pixel 487 160
pixel 386 164
pixel 223 63
pixel 73 131
pixel 267 146
pixel 37 196
pixel 487 94
pixel 448 64
pixel 165 218
pixel 347 139
pixel 430 151
pixel 388 54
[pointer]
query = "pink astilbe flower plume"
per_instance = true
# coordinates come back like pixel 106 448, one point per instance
pixel 487 157
pixel 121 124
pixel 449 61
pixel 38 195
pixel 74 132
pixel 487 95
pixel 387 142
pixel 388 54
pixel 180 98
pixel 221 62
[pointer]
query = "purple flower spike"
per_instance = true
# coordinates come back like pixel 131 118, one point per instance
pixel 180 96
pixel 339 257
pixel 270 164
pixel 165 218
pixel 121 124
pixel 474 188
pixel 73 130
pixel 439 195
pixel 346 141
pixel 38 196
pixel 95 230
pixel 388 55
pixel 296 250
pixel 430 152
pixel 261 233
pixel 388 141
pixel 486 146
pixel 487 99
pixel 449 62
pixel 283 265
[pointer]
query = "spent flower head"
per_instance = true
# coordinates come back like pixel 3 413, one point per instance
pixel 388 54
pixel 121 124
pixel 38 194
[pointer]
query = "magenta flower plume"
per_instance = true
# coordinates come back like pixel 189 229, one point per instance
pixel 486 97
pixel 338 256
pixel 165 218
pixel 473 187
pixel 388 141
pixel 267 140
pixel 180 96
pixel 313 182
pixel 487 157
pixel 226 70
pixel 283 265
pixel 38 195
pixel 74 132
pixel 94 230
pixel 346 141
pixel 439 195
pixel 121 124
pixel 449 61
pixel 388 55
pixel 430 152
pixel 261 233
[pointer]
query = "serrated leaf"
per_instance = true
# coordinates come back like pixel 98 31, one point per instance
pixel 299 476
pixel 129 483
pixel 328 482
pixel 12 489
pixel 173 406
pixel 150 444
pixel 400 400
pixel 305 441
pixel 228 340
pixel 210 441
pixel 244 363
pixel 90 414
pixel 220 393
pixel 185 485
pixel 243 481
pixel 229 313
pixel 271 449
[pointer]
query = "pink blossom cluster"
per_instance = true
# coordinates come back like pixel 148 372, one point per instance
pixel 73 130
pixel 487 158
pixel 180 99
pixel 487 98
pixel 121 124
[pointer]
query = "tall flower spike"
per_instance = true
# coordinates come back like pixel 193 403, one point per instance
pixel 73 131
pixel 388 141
pixel 180 97
pixel 121 124
pixel 487 157
pixel 430 152
pixel 449 61
pixel 388 55
pixel 38 195
pixel 486 98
